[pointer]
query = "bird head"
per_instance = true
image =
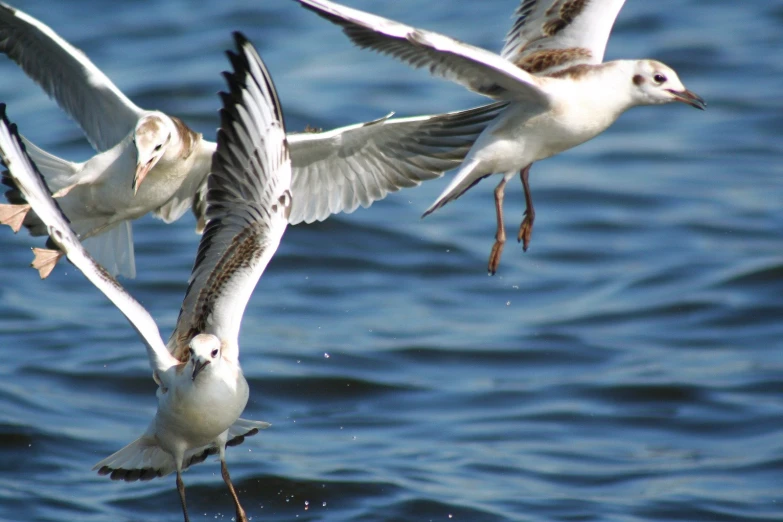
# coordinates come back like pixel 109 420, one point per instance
pixel 204 352
pixel 657 83
pixel 152 137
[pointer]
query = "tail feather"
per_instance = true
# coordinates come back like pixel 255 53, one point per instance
pixel 113 248
pixel 244 428
pixel 57 172
pixel 463 180
pixel 143 459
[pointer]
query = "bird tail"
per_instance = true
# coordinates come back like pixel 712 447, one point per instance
pixel 142 459
pixel 463 180
pixel 244 428
pixel 57 172
pixel 112 248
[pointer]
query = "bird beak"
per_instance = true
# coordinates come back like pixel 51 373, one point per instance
pixel 142 169
pixel 197 367
pixel 691 98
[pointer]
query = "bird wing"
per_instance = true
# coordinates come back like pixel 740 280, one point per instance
pixel 105 114
pixel 551 35
pixel 477 69
pixel 338 170
pixel 248 203
pixel 32 185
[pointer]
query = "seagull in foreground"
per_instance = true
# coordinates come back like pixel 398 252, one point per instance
pixel 550 71
pixel 201 389
pixel 151 162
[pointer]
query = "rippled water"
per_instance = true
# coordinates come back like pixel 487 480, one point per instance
pixel 627 368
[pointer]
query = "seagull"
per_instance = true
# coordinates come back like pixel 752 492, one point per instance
pixel 550 72
pixel 201 390
pixel 148 161
pixel 143 155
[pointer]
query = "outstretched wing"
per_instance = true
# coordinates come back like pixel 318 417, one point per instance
pixel 36 193
pixel 338 170
pixel 248 203
pixel 477 69
pixel 105 114
pixel 552 35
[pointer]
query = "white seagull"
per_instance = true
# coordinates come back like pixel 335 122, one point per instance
pixel 550 71
pixel 201 389
pixel 151 162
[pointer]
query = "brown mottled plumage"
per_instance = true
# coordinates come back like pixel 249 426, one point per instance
pixel 539 61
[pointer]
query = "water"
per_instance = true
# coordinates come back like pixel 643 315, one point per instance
pixel 627 368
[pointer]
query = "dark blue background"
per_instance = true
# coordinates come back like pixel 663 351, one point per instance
pixel 627 368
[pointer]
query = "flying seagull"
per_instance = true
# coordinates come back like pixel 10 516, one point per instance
pixel 550 72
pixel 201 389
pixel 148 161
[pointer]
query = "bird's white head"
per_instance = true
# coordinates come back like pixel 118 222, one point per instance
pixel 204 353
pixel 656 83
pixel 153 137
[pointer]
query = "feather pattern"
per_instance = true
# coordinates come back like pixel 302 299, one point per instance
pixel 552 35
pixel 248 204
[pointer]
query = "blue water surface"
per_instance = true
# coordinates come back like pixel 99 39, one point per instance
pixel 627 368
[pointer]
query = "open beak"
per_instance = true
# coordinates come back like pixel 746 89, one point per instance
pixel 197 367
pixel 691 98
pixel 141 172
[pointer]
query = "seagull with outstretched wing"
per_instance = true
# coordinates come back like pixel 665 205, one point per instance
pixel 551 72
pixel 201 388
pixel 333 171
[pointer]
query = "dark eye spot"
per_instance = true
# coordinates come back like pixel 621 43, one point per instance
pixel 157 147
pixel 192 352
pixel 659 78
pixel 214 353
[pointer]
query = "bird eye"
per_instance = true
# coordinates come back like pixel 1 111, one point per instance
pixel 659 78
pixel 192 352
pixel 157 147
pixel 214 353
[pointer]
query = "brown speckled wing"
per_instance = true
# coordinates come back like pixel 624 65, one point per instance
pixel 248 203
pixel 552 35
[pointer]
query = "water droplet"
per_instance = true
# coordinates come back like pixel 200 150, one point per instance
pixel 323 504
pixel 326 355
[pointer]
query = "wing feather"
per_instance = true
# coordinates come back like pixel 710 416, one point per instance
pixel 104 113
pixel 551 35
pixel 342 169
pixel 247 205
pixel 477 69
pixel 32 185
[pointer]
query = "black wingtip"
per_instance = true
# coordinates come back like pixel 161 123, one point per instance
pixel 240 39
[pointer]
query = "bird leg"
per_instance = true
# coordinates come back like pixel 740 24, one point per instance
pixel 526 228
pixel 241 517
pixel 500 235
pixel 45 260
pixel 181 490
pixel 13 215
